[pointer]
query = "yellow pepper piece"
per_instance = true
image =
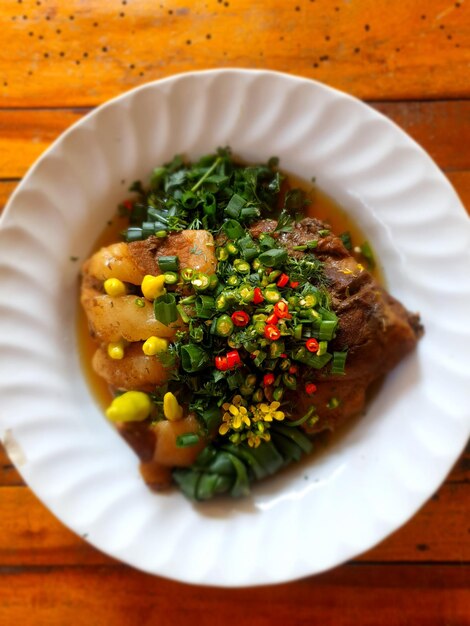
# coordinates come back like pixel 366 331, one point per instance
pixel 114 287
pixel 132 406
pixel 153 286
pixel 154 345
pixel 172 410
pixel 116 350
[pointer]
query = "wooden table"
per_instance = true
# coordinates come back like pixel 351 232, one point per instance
pixel 410 60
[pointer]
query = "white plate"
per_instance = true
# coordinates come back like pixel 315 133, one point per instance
pixel 338 504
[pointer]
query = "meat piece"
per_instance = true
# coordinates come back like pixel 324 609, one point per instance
pixel 135 371
pixel 114 261
pixel 115 318
pixel 376 329
pixel 195 249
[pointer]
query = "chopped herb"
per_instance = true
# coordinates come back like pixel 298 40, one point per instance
pixel 367 253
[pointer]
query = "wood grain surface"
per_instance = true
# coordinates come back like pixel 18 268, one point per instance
pixel 411 61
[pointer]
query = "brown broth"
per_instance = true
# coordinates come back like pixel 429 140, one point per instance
pixel 322 207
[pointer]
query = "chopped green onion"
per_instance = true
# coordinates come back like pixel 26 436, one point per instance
pixel 205 307
pixel 184 316
pixel 327 329
pixel 260 357
pixel 273 258
pixel 324 232
pixel 168 263
pixel 165 309
pixel 133 233
pixel 233 208
pixel 213 282
pixel 233 229
pixel 346 239
pixel 322 348
pixel 148 228
pixel 249 213
pixel 276 348
pixel 186 440
pixel 367 253
pixel 161 233
pixel 232 280
pixel 235 380
pixel 339 362
pixel 248 248
pixel 188 300
pixel 139 302
pixel 278 393
pixel 193 358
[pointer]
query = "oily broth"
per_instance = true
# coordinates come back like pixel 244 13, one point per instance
pixel 86 344
pixel 321 206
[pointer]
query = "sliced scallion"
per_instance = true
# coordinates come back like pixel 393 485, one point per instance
pixel 274 257
pixel 168 263
pixel 234 206
pixel 165 309
pixel 186 440
pixel 233 229
pixel 205 307
pixel 339 362
pixel 327 329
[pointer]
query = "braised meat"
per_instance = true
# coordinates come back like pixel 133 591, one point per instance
pixel 374 327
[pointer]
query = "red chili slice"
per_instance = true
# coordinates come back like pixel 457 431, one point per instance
pixel 272 332
pixel 281 309
pixel 310 388
pixel 258 298
pixel 294 284
pixel 268 379
pixel 233 359
pixel 272 319
pixel 312 345
pixel 293 369
pixel 128 204
pixel 282 280
pixel 221 363
pixel 240 318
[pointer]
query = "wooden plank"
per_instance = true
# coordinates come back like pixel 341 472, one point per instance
pixel 442 128
pixel 461 182
pixel 30 535
pixel 347 596
pixel 7 187
pixel 82 53
pixel 24 135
